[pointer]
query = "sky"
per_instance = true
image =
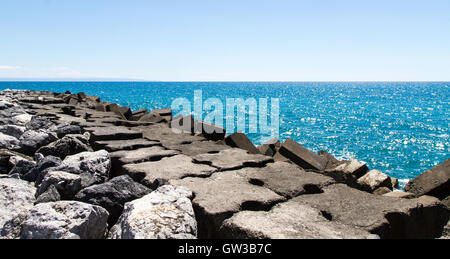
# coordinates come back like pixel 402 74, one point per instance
pixel 228 40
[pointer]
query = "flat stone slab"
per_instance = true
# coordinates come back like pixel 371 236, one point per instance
pixel 199 147
pixel 288 220
pixel 434 182
pixel 301 156
pixel 286 179
pixel 117 145
pixel 223 194
pixel 112 133
pixel 142 155
pixel 167 137
pixel 231 159
pixel 385 216
pixel 155 174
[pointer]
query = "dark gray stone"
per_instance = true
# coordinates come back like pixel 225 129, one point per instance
pixel 434 182
pixel 301 156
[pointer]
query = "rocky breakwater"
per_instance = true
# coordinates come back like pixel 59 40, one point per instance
pixel 73 166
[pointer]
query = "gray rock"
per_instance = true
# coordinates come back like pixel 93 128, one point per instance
pixel 9 142
pixel 166 213
pixel 266 150
pixel 65 220
pixel 113 133
pixel 301 156
pixel 223 194
pixel 93 167
pixel 117 145
pixel 39 123
pixel 113 195
pixel 12 130
pixel 67 184
pixel 382 191
pixel 434 182
pixel 402 195
pixel 22 168
pixel 32 140
pixel 22 119
pixel 16 198
pixel 66 129
pixel 240 140
pixel 43 166
pixel 199 147
pixel 230 159
pixel 50 195
pixel 68 145
pixel 347 172
pixel 374 180
pixel 156 174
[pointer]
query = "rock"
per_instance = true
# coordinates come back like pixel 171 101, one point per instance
pixel 287 220
pixel 32 140
pixel 280 158
pixel 446 202
pixel 8 159
pixel 39 123
pixel 22 168
pixel 155 153
pixel 434 182
pixel 286 179
pixel 332 162
pixel 117 110
pixel 347 172
pixel 16 198
pixel 113 133
pixel 230 159
pixel 266 150
pixel 113 195
pixel 66 129
pixel 43 166
pixel 153 118
pixel 382 191
pixel 402 195
pixel 301 156
pixel 240 140
pixel 68 145
pixel 117 145
pixel 156 174
pixel 274 143
pixel 126 112
pixel 12 130
pixel 385 216
pixel 198 148
pixel 93 167
pixel 66 184
pixel 223 194
pixel 163 214
pixel 165 113
pixel 65 220
pixel 9 142
pixel 50 195
pixel 374 180
pixel 22 119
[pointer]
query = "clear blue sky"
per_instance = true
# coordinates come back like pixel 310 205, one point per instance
pixel 232 40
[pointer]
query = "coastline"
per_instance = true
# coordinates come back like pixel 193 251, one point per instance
pixel 202 170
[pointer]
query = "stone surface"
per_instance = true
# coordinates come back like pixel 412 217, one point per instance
pixel 113 133
pixel 385 216
pixel 347 172
pixel 286 179
pixel 288 220
pixel 12 130
pixel 434 182
pixel 117 145
pixel 32 140
pixel 156 174
pixel 39 123
pixel 234 158
pixel 374 180
pixel 200 147
pixel 22 168
pixel 9 142
pixel 402 195
pixel 66 184
pixel 163 214
pixel 16 199
pixel 382 191
pixel 50 195
pixel 301 156
pixel 266 150
pixel 65 220
pixel 223 194
pixel 113 195
pixel 43 166
pixel 68 145
pixel 240 140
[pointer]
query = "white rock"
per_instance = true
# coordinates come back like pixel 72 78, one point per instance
pixel 8 142
pixel 374 180
pixel 67 184
pixel 65 220
pixel 22 119
pixel 166 213
pixel 16 199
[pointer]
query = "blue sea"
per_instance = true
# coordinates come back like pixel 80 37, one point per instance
pixel 401 129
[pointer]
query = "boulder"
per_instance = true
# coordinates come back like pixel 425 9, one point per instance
pixel 16 199
pixel 50 195
pixel 266 150
pixel 113 133
pixel 301 156
pixel 66 184
pixel 240 140
pixel 156 174
pixel 382 191
pixel 198 148
pixel 163 214
pixel 12 130
pixel 153 118
pixel 93 167
pixel 434 182
pixel 66 129
pixel 65 220
pixel 347 172
pixel 189 125
pixel 22 119
pixel 113 195
pixel 9 159
pixel 39 123
pixel 165 113
pixel 223 194
pixel 32 140
pixel 234 158
pixel 68 145
pixel 374 180
pixel 117 145
pixel 9 142
pixel 43 166
pixel 22 168
pixel 402 195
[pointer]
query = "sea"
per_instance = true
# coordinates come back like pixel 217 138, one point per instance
pixel 399 128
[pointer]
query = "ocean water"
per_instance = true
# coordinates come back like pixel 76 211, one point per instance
pixel 401 129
